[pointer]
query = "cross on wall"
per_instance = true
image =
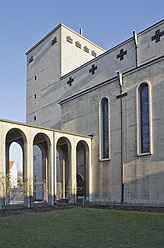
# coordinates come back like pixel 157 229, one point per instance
pixel 93 69
pixel 70 81
pixel 157 35
pixel 121 54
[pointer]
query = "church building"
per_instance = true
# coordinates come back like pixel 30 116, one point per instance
pixel 112 103
pixel 116 97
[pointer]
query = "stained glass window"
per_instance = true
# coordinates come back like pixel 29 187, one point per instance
pixel 144 119
pixel 105 129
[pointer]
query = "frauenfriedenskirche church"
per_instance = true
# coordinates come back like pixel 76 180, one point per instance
pixel 100 116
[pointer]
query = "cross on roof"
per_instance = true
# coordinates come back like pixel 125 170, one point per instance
pixel 157 35
pixel 69 82
pixel 122 54
pixel 93 69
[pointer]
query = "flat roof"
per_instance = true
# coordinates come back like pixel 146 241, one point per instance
pixel 59 26
pixel 44 128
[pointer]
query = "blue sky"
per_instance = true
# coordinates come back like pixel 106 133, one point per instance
pixel 24 23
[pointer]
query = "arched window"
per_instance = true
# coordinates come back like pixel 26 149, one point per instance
pixel 144 118
pixel 104 129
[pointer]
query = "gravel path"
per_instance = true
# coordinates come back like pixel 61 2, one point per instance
pixel 19 210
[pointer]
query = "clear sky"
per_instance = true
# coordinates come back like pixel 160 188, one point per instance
pixel 24 23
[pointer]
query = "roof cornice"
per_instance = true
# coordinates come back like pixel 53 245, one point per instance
pixel 59 26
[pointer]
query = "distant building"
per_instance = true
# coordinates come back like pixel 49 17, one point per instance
pixel 13 173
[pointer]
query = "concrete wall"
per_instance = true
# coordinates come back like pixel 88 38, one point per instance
pixel 42 72
pixel 72 55
pixel 144 175
pixel 50 62
pixel 149 50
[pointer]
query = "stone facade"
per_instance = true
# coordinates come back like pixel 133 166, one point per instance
pixel 65 89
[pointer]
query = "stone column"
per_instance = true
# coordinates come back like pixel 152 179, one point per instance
pixel 72 156
pixel 51 153
pixel 90 173
pixel 44 179
pixel 28 171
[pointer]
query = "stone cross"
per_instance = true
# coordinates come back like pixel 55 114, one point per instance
pixel 92 70
pixel 122 54
pixel 157 35
pixel 70 81
pixel 54 41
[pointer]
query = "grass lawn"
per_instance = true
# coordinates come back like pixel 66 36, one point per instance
pixel 82 227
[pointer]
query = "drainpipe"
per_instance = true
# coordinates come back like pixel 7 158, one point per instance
pixel 136 46
pixel 119 75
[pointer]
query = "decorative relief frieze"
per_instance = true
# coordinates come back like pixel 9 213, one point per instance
pixel 77 44
pixel 86 49
pixel 93 53
pixel 69 39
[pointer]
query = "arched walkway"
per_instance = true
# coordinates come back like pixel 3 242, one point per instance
pixel 41 168
pixel 18 136
pixel 82 169
pixel 58 177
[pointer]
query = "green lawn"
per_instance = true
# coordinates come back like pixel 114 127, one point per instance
pixel 82 227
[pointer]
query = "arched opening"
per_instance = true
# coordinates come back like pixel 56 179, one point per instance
pixel 16 173
pixel 41 167
pixel 15 167
pixel 63 169
pixel 82 170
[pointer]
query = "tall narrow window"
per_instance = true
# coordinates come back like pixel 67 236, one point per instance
pixel 144 119
pixel 105 129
